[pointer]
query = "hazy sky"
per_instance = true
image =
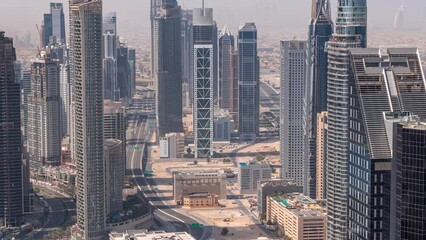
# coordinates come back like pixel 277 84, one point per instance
pixel 133 15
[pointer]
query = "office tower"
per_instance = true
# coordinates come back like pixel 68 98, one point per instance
pixel 123 70
pixel 132 71
pixel 379 83
pixel 186 42
pixel 320 30
pixel 234 85
pixel 293 76
pixel 248 83
pixel 226 49
pixel 321 156
pixel 44 106
pixel 115 125
pixel 54 24
pixel 407 195
pixel 111 89
pixel 25 91
pixel 18 71
pixel 350 32
pixel 11 204
pixel 203 65
pixel 114 176
pixel 168 68
pixel 65 94
pixel 86 68
pixel 154 8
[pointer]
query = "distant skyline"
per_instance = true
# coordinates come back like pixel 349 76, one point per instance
pixel 133 15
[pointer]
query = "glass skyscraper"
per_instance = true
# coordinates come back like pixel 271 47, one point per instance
pixel 248 79
pixel 226 44
pixel 350 32
pixel 320 30
pixel 111 89
pixel 54 24
pixel 168 68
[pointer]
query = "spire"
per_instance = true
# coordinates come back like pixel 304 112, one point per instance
pixel 225 31
pixel 321 8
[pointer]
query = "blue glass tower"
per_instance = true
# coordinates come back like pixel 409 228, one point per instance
pixel 320 30
pixel 350 32
pixel 248 83
pixel 54 24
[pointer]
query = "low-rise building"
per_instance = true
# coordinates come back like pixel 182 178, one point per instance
pixel 172 145
pixel 223 126
pixel 200 200
pixel 298 216
pixel 270 187
pixel 191 181
pixel 146 235
pixel 250 173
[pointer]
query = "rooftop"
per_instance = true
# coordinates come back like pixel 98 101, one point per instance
pixel 145 235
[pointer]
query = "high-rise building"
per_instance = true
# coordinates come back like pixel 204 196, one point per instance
pixel 44 107
pixel 321 156
pixel 11 189
pixel 315 100
pixel 168 68
pixel 293 76
pixel 350 32
pixel 25 91
pixel 123 70
pixel 154 8
pixel 406 207
pixel 248 83
pixel 250 173
pixel 132 71
pixel 86 68
pixel 380 83
pixel 186 42
pixel 114 176
pixel 111 89
pixel 65 94
pixel 54 24
pixel 115 125
pixel 203 65
pixel 226 49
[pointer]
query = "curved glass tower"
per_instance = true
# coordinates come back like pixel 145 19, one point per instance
pixel 350 32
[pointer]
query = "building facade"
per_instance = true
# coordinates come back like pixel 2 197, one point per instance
pixel 249 175
pixel 11 197
pixel 321 156
pixel 114 176
pixel 44 113
pixel 115 125
pixel 350 32
pixel 293 76
pixel 168 68
pixel 315 100
pixel 270 187
pixel 248 83
pixel 86 72
pixel 226 44
pixel 109 36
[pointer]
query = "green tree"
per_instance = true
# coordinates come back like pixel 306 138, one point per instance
pixel 189 151
pixel 195 162
pixel 224 231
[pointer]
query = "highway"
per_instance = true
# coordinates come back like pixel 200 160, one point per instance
pixel 138 134
pixel 269 97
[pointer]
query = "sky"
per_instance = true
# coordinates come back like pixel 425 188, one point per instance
pixel 20 16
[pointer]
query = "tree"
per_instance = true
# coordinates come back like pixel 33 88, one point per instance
pixel 195 162
pixel 224 231
pixel 208 160
pixel 189 151
pixel 260 158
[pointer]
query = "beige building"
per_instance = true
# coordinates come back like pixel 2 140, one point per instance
pixel 200 200
pixel 298 216
pixel 145 235
pixel 322 127
pixel 191 181
pixel 172 145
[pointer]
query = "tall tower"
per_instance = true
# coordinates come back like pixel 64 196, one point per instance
pixel 110 57
pixel 203 65
pixel 351 32
pixel 154 8
pixel 248 80
pixel 293 75
pixel 11 204
pixel 320 30
pixel 54 24
pixel 44 119
pixel 86 68
pixel 168 68
pixel 226 49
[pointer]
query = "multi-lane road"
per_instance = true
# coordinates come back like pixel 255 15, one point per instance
pixel 269 97
pixel 139 134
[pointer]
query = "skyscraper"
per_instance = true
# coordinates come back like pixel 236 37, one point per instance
pixel 11 189
pixel 168 68
pixel 131 58
pixel 293 76
pixel 86 68
pixel 203 65
pixel 111 89
pixel 379 83
pixel 248 80
pixel 123 70
pixel 25 91
pixel 186 42
pixel 54 24
pixel 44 107
pixel 154 8
pixel 226 49
pixel 351 32
pixel 320 30
pixel 65 94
